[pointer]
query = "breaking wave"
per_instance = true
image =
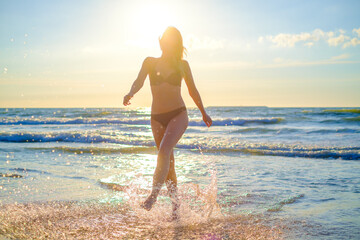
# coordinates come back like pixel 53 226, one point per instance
pixel 142 145
pixel 63 121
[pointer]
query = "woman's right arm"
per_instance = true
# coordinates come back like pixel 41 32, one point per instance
pixel 139 81
pixel 194 93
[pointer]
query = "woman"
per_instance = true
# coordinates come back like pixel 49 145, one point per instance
pixel 169 118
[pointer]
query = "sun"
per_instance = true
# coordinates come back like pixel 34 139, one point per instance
pixel 147 21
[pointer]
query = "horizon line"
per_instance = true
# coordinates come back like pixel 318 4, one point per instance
pixel 263 106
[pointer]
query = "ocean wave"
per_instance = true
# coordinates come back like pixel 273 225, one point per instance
pixel 26 170
pixel 217 146
pixel 325 153
pixel 355 110
pixel 67 137
pixel 340 130
pixel 238 121
pixel 254 130
pixel 331 121
pixel 62 121
pixel 307 111
pixel 277 207
pixel 353 119
pixel 98 150
pixel 265 130
pixel 96 114
pixel 342 120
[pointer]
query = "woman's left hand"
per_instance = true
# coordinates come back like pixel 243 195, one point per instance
pixel 207 119
pixel 126 100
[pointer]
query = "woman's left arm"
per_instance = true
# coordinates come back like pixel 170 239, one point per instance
pixel 194 93
pixel 139 81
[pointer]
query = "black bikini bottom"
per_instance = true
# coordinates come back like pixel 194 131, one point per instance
pixel 164 118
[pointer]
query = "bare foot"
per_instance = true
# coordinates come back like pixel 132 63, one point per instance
pixel 175 216
pixel 149 202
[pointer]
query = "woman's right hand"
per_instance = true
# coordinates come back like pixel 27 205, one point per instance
pixel 126 100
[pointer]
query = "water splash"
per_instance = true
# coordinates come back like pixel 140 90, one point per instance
pixel 201 217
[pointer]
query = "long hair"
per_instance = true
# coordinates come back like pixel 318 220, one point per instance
pixel 171 43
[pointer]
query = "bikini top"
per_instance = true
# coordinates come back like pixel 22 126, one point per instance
pixel 156 78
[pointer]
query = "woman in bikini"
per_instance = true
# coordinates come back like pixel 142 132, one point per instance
pixel 169 118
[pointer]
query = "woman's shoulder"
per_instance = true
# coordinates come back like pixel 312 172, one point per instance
pixel 150 59
pixel 149 62
pixel 184 63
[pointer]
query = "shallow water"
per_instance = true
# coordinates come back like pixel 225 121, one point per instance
pixel 258 173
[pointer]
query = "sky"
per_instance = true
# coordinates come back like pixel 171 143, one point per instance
pixel 241 53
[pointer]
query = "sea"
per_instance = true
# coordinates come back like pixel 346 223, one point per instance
pixel 257 173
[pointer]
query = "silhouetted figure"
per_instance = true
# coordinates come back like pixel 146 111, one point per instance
pixel 169 118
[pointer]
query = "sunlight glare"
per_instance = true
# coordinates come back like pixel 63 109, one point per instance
pixel 148 22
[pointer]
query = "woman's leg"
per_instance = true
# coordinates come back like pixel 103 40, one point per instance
pixel 171 180
pixel 171 184
pixel 158 132
pixel 172 135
